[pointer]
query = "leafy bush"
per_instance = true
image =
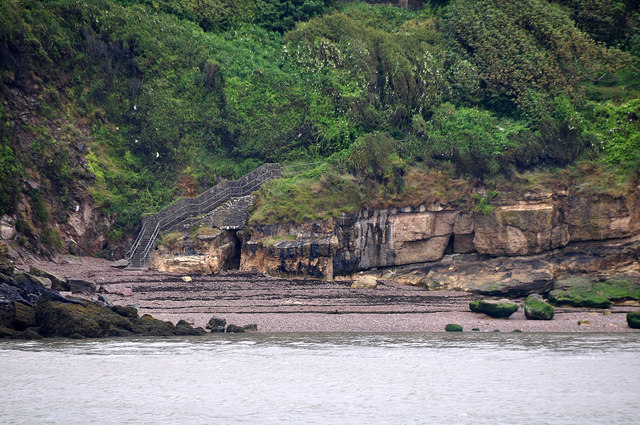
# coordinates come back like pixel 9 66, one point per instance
pixel 525 45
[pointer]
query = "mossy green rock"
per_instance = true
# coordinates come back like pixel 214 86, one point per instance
pixel 578 297
pixel 633 320
pixel 496 309
pixel 473 306
pixel 24 317
pixel 536 308
pixel 126 311
pixel 453 327
pixel 148 325
pixel 595 293
pixel 89 320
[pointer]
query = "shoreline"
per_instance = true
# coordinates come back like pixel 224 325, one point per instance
pixel 304 305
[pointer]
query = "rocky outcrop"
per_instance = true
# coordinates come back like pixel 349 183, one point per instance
pixel 208 251
pixel 29 310
pixel 518 248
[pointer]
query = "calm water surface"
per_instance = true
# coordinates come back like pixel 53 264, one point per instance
pixel 426 378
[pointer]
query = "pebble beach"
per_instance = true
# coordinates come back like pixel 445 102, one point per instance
pixel 306 305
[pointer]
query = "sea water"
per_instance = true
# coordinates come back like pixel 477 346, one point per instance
pixel 333 378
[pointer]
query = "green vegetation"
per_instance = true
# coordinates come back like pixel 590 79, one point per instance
pixel 583 292
pixel 140 102
pixel 633 320
pixel 536 308
pixel 453 327
pixel 496 309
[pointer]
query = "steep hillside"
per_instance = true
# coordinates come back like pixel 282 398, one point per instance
pixel 113 108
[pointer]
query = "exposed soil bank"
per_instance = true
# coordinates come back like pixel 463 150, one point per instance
pixel 299 305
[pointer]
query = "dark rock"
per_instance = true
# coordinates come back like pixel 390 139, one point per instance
pixel 30 288
pixel 80 286
pixel 90 320
pixel 217 324
pixel 30 283
pixel 497 309
pixel 106 301
pixel 28 334
pixel 234 329
pixel 6 332
pixel 185 328
pixel 148 325
pixel 633 320
pixel 126 311
pixel 252 327
pixel 7 311
pixel 536 308
pixel 6 266
pixel 57 283
pixel 24 317
pixel 453 327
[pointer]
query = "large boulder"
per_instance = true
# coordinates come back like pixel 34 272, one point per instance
pixel 536 308
pixel 81 286
pixel 365 282
pixel 148 325
pixel 495 308
pixel 217 324
pixel 234 329
pixel 185 328
pixel 633 319
pixel 65 320
pixel 57 283
pixel 31 288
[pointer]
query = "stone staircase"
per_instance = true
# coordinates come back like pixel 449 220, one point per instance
pixel 225 205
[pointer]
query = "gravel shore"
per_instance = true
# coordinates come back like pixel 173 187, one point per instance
pixel 303 305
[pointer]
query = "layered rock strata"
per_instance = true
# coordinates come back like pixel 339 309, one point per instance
pixel 527 243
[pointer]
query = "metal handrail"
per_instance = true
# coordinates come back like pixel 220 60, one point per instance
pixel 204 203
pixel 129 253
pixel 154 235
pixel 306 167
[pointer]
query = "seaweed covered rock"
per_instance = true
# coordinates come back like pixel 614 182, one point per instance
pixel 89 320
pixel 24 316
pixel 185 328
pixel 453 327
pixel 57 283
pixel 495 308
pixel 126 311
pixel 148 325
pixel 590 292
pixel 578 297
pixel 633 320
pixel 536 308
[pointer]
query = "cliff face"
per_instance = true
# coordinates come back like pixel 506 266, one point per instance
pixel 541 229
